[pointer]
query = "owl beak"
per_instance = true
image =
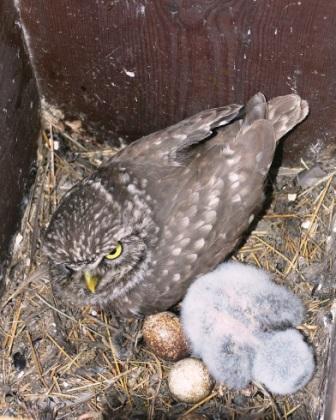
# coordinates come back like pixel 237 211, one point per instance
pixel 91 281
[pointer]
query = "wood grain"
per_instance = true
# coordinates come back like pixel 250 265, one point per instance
pixel 135 66
pixel 19 125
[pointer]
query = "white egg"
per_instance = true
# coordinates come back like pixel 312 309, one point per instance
pixel 189 381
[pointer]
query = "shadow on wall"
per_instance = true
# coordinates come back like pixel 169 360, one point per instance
pixel 19 125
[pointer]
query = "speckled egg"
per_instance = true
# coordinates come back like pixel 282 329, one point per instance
pixel 163 334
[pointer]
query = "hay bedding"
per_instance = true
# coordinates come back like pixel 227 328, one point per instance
pixel 60 360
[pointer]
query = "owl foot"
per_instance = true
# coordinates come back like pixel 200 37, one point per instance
pixel 126 337
pixel 122 346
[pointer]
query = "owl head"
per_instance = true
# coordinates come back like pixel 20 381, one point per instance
pixel 98 241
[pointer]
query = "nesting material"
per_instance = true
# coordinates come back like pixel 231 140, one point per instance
pixel 71 367
pixel 163 334
pixel 193 416
pixel 189 381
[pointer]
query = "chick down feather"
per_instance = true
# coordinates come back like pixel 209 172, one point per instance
pixel 285 363
pixel 232 317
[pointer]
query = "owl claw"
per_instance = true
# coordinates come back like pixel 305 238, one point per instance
pixel 126 338
pixel 122 346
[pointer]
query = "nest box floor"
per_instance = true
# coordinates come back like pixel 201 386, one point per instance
pixel 62 361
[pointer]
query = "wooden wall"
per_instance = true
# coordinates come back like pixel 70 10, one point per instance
pixel 134 66
pixel 19 124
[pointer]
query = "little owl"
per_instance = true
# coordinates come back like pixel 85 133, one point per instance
pixel 167 208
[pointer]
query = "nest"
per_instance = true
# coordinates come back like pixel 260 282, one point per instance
pixel 61 362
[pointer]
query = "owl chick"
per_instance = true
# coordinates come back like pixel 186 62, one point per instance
pixel 284 362
pixel 167 208
pixel 237 300
pixel 229 360
pixel 281 360
pixel 232 318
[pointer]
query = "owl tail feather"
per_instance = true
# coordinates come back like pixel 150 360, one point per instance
pixel 285 112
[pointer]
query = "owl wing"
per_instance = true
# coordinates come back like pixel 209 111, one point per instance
pixel 164 147
pixel 220 193
pixel 171 146
pixel 204 213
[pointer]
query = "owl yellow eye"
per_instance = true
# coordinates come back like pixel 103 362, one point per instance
pixel 115 253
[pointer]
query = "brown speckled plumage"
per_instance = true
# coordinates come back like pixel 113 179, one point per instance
pixel 178 200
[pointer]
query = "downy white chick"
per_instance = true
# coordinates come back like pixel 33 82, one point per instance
pixel 244 292
pixel 229 360
pixel 231 313
pixel 284 363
